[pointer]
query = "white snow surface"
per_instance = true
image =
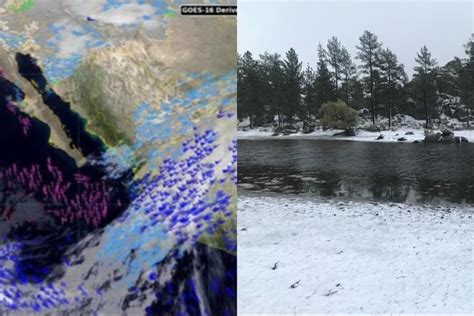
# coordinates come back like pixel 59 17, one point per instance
pixel 353 257
pixel 362 135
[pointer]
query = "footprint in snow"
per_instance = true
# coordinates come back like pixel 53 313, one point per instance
pixel 331 292
pixel 275 266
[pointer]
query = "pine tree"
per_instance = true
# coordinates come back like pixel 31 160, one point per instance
pixel 349 75
pixel 272 87
pixel 335 58
pixel 242 111
pixel 324 90
pixel 447 77
pixel 273 79
pixel 248 84
pixel 357 98
pixel 293 79
pixel 309 90
pixel 368 50
pixel 425 84
pixel 393 77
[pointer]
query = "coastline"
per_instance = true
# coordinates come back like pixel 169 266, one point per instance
pixel 327 256
pixel 362 135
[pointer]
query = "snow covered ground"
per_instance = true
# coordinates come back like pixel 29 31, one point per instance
pixel 298 255
pixel 362 135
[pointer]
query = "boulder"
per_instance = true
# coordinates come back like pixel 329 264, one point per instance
pixel 290 131
pixel 460 139
pixel 380 137
pixel 433 138
pixel 409 133
pixel 401 139
pixel 350 132
pixel 277 131
pixel 449 139
pixel 308 129
pixel 446 132
pixel 416 142
pixel 364 112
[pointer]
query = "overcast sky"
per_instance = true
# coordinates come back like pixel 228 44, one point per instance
pixel 403 26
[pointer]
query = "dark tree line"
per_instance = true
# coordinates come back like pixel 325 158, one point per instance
pixel 274 88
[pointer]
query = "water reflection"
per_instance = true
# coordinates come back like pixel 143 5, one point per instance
pixel 414 173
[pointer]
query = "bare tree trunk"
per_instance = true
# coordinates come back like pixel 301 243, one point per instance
pixel 390 115
pixel 346 80
pixel 372 101
pixel 426 110
pixel 372 107
pixel 390 101
pixel 280 122
pixel 468 118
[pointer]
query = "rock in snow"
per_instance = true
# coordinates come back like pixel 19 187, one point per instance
pixel 433 138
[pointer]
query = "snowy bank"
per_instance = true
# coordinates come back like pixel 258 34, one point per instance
pixel 362 135
pixel 307 256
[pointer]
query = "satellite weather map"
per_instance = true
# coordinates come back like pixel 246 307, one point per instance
pixel 117 159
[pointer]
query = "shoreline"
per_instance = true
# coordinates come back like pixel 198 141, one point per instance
pixel 323 256
pixel 362 135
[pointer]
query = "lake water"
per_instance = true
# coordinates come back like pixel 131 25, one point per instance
pixel 412 173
